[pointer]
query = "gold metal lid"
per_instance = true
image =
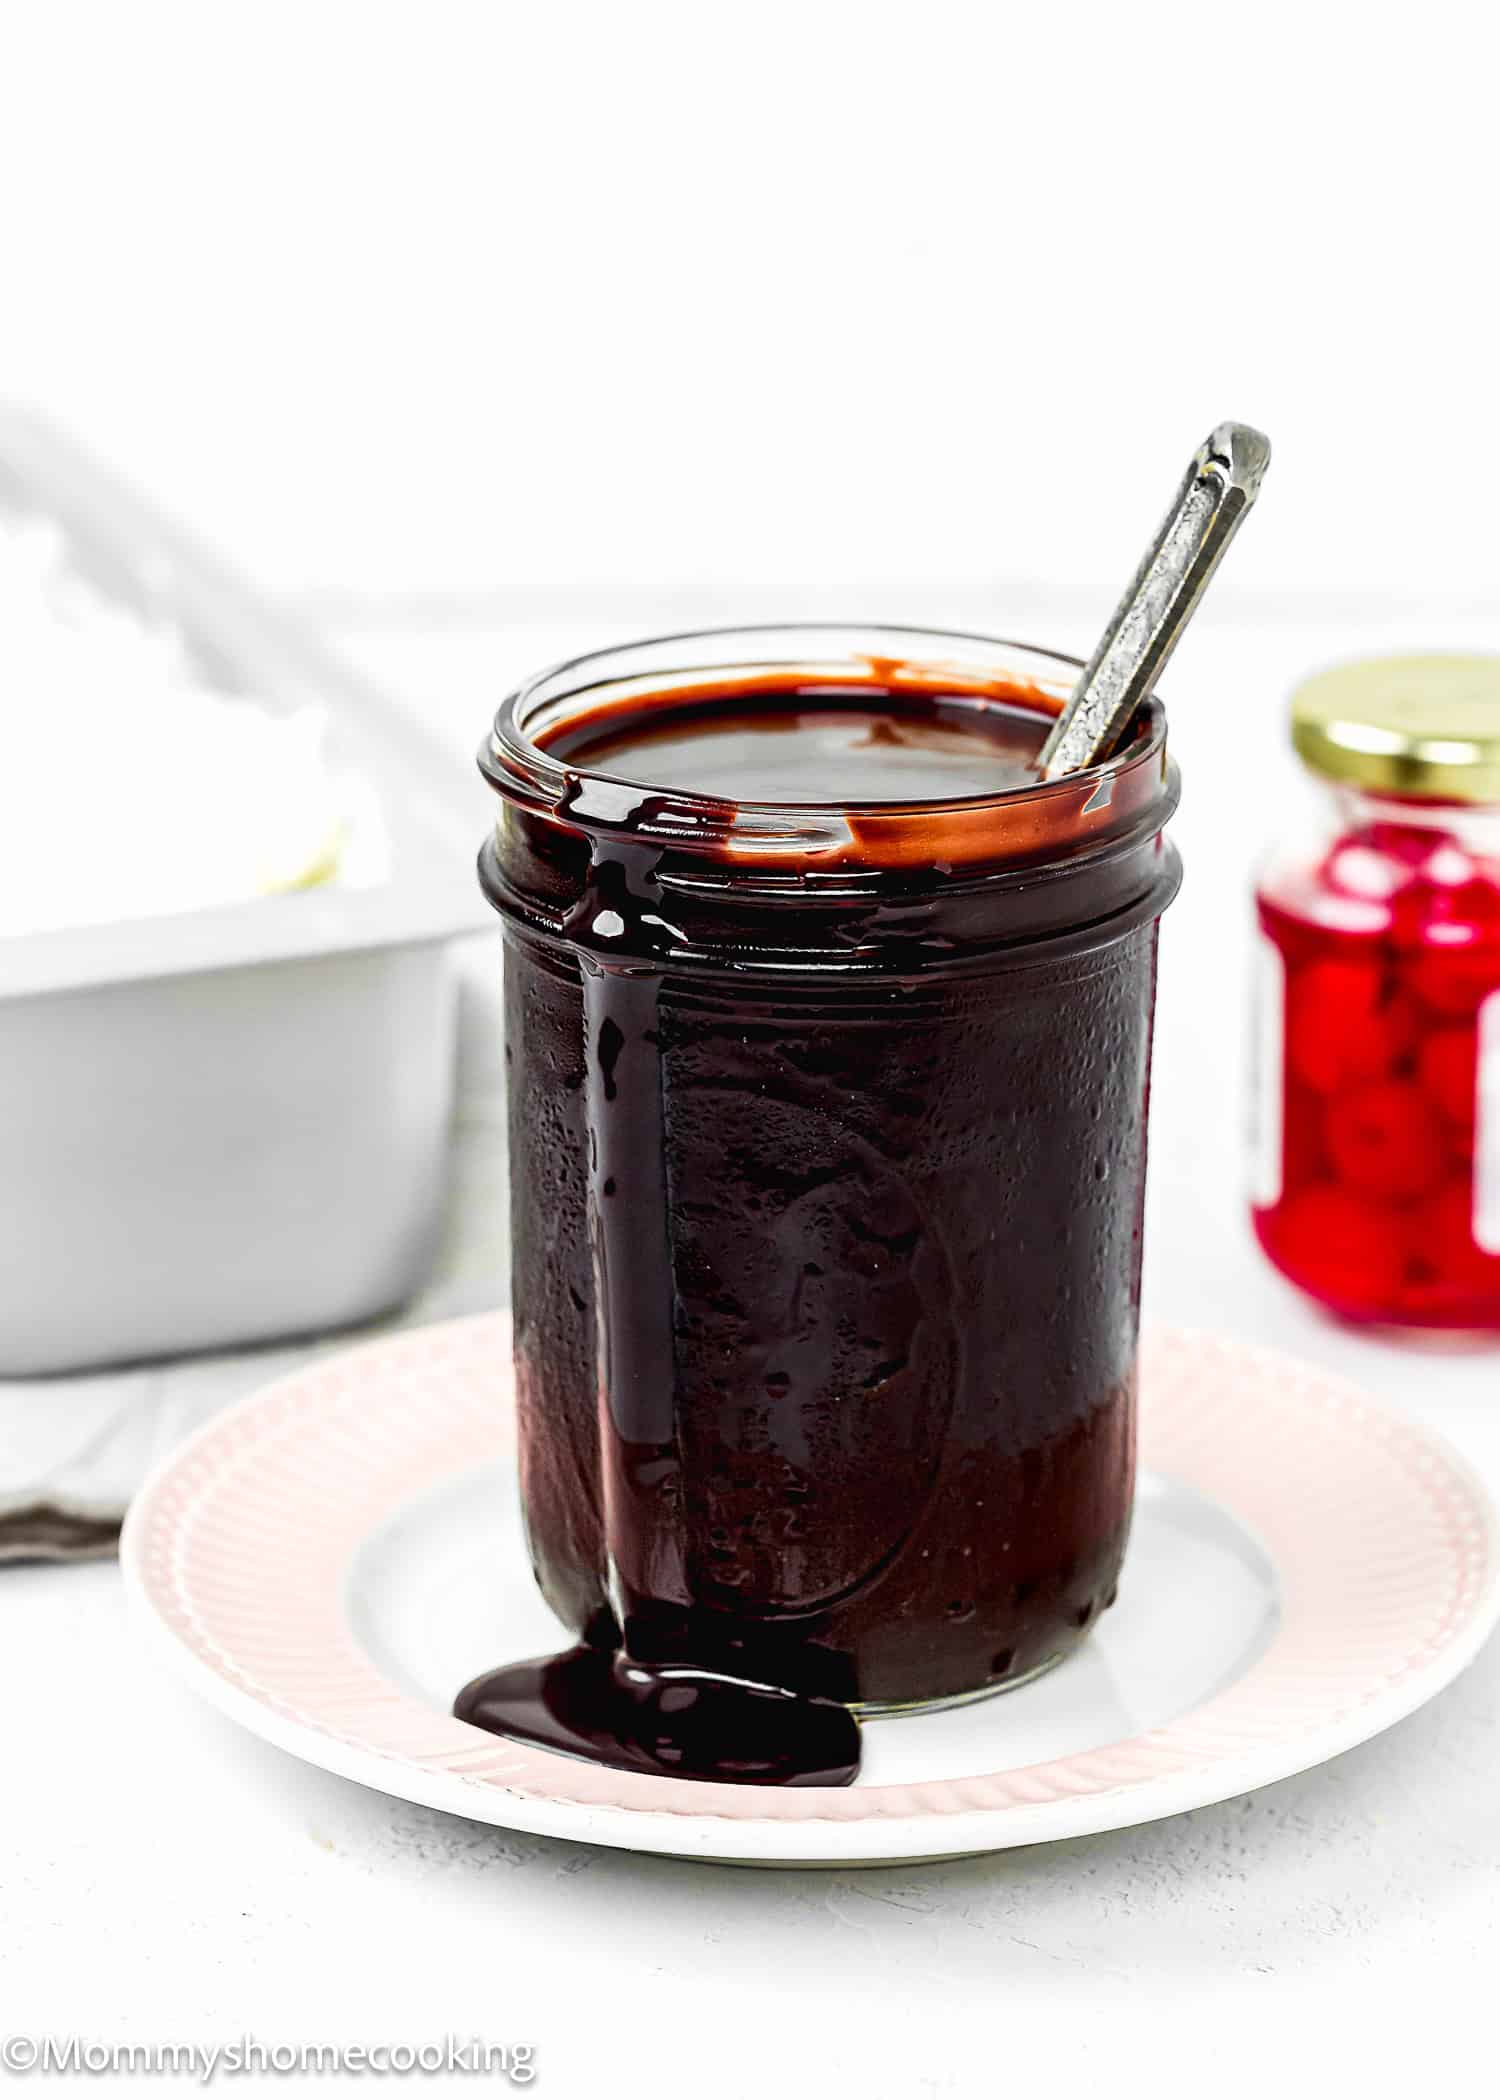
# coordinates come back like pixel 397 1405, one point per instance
pixel 1405 725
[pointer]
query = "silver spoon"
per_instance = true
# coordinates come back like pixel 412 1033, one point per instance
pixel 1221 483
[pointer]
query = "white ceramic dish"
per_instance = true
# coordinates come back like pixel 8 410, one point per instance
pixel 224 1125
pixel 331 1559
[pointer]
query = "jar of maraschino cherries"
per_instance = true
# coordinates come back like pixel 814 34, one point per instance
pixel 1377 1127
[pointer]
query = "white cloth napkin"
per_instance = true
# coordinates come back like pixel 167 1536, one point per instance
pixel 73 1450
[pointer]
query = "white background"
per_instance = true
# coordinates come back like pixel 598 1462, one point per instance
pixel 488 332
pixel 452 298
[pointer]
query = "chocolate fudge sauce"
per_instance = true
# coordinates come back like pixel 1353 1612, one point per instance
pixel 828 1064
pixel 834 748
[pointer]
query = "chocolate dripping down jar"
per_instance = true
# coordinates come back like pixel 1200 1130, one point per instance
pixel 828 1151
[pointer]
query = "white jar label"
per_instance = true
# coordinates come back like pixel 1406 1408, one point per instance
pixel 1267 1055
pixel 1487 1130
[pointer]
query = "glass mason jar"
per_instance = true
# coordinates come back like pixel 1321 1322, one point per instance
pixel 828 1146
pixel 1377 1149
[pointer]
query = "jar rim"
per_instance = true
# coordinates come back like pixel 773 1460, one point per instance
pixel 1035 816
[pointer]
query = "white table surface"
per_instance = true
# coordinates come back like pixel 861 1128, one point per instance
pixel 170 1878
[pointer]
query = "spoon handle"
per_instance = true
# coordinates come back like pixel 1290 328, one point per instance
pixel 1220 485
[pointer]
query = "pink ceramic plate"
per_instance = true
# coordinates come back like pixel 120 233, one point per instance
pixel 332 1558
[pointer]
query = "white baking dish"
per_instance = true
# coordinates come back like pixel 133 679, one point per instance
pixel 227 1124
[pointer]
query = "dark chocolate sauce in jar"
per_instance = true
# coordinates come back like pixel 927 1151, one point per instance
pixel 603 1700
pixel 834 748
pixel 825 1259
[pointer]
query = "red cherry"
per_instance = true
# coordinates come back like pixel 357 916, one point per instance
pixel 1385 1141
pixel 1445 1252
pixel 1360 866
pixel 1455 980
pixel 1340 1026
pixel 1446 1068
pixel 1339 1248
pixel 1452 919
pixel 1411 846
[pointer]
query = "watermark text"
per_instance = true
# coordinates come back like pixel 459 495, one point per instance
pixel 44 2055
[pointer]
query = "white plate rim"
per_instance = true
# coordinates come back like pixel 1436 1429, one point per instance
pixel 739 1831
